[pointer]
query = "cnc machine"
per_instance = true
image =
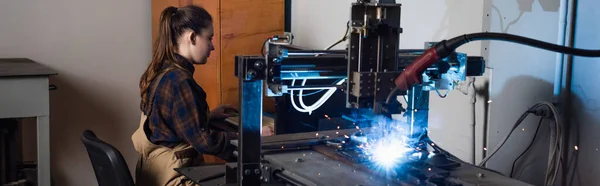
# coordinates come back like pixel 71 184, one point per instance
pixel 374 139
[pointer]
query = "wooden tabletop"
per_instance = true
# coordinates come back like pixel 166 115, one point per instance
pixel 13 67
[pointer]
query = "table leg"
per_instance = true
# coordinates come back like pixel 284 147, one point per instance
pixel 43 163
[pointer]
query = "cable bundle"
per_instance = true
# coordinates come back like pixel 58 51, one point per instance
pixel 556 139
pixel 317 104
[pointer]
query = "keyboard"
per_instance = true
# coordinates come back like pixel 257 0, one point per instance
pixel 266 121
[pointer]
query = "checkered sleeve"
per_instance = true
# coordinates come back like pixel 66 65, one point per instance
pixel 190 118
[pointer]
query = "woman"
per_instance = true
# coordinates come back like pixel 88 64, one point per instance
pixel 174 130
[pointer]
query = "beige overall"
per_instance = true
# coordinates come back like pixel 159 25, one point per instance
pixel 156 163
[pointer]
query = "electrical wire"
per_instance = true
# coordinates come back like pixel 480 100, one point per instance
pixel 555 141
pixel 392 93
pixel 443 49
pixel 452 157
pixel 523 116
pixel 327 94
pixel 454 43
pixel 344 38
pixel 528 147
pixel 317 104
pixel 438 92
pixel 316 91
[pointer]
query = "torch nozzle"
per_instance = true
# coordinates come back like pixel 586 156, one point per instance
pixel 412 74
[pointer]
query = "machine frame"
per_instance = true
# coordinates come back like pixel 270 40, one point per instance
pixel 368 66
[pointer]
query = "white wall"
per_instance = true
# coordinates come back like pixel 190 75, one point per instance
pixel 585 118
pixel 522 75
pixel 517 75
pixel 100 49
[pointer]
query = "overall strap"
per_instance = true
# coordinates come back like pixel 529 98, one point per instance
pixel 153 88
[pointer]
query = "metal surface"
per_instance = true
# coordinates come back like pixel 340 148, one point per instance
pixel 313 168
pixel 17 67
pixel 417 111
pixel 209 175
pixel 373 47
pixel 250 130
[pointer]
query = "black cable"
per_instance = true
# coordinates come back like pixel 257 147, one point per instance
pixel 528 147
pixel 454 43
pixel 452 157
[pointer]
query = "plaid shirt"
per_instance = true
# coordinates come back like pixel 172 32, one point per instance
pixel 180 114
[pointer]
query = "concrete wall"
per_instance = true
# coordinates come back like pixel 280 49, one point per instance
pixel 517 76
pixel 100 49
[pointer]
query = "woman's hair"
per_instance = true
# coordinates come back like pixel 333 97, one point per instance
pixel 173 22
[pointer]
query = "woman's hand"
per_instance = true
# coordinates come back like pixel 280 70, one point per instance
pixel 222 112
pixel 267 131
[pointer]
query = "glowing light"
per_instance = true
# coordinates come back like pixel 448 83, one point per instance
pixel 429 169
pixel 317 134
pixel 576 148
pixel 389 152
pixel 523 129
pixel 387 145
pixel 484 148
pixel 337 132
pixel 489 101
pixel 338 127
pixel 346 136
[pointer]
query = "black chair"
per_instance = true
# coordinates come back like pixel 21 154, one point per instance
pixel 109 165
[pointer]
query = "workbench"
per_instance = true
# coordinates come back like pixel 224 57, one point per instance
pixel 24 93
pixel 303 159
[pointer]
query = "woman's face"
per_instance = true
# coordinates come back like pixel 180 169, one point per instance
pixel 202 45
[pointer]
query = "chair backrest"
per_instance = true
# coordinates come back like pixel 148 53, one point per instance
pixel 109 165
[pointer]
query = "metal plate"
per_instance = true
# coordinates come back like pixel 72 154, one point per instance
pixel 318 169
pixel 197 174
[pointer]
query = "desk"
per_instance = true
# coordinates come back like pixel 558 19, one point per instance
pixel 24 93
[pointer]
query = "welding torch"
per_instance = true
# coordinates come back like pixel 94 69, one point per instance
pixel 412 74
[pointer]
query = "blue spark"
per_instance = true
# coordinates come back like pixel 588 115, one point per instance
pixel 388 153
pixel 388 144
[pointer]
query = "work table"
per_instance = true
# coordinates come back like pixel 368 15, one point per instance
pixel 24 93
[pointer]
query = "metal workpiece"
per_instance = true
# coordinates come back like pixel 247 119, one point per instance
pixel 309 167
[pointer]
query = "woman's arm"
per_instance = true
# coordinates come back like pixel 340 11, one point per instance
pixel 190 117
